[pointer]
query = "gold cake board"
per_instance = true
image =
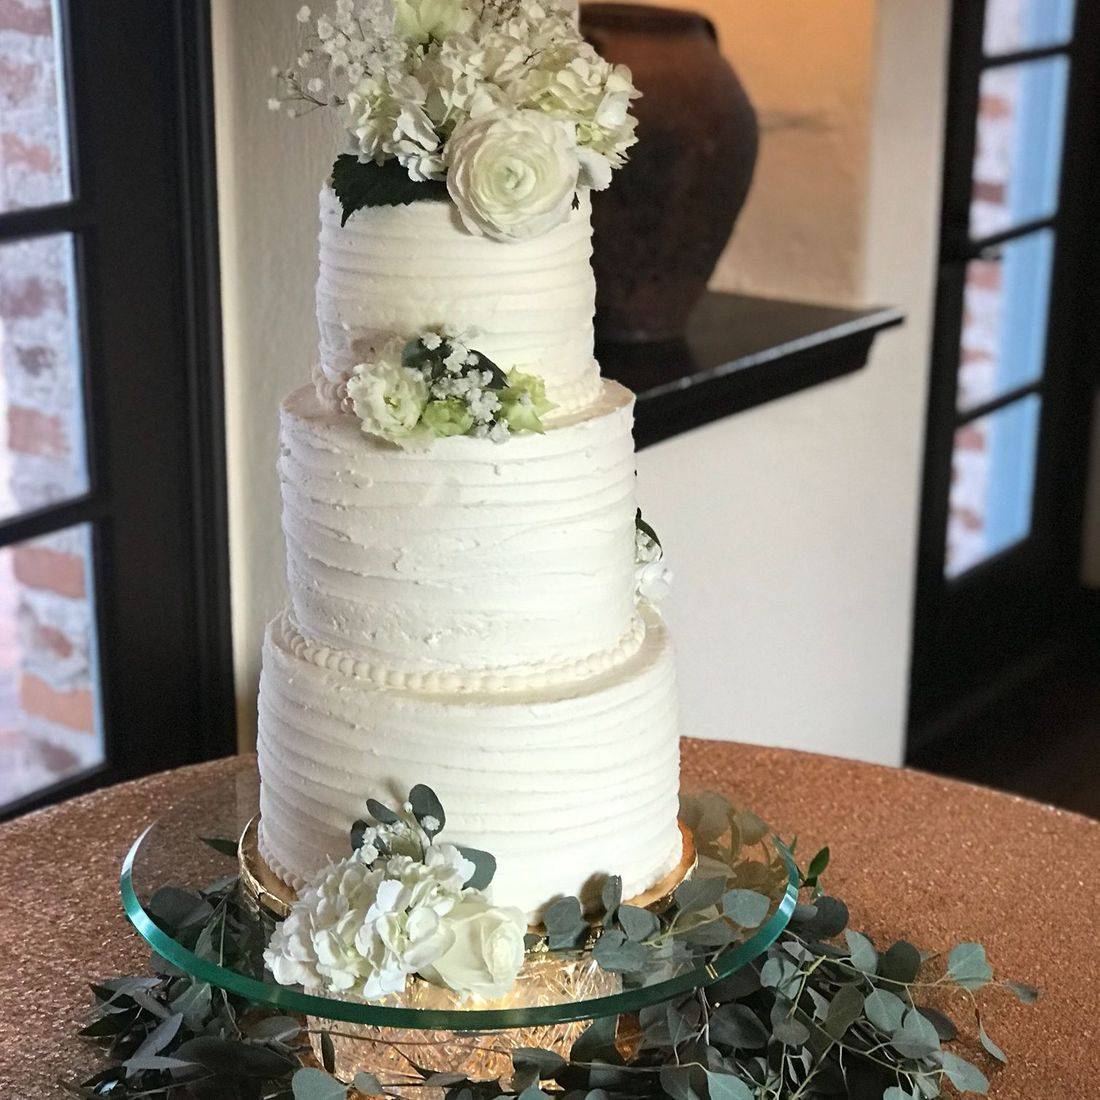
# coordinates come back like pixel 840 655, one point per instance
pixel 263 887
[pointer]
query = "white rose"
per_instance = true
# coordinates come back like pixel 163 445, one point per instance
pixel 512 174
pixel 389 399
pixel 487 951
pixel 422 20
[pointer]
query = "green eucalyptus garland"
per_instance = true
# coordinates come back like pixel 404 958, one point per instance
pixel 824 1012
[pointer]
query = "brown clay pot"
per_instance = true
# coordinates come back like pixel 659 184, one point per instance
pixel 663 223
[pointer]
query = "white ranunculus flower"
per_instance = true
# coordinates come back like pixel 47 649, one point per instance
pixel 486 953
pixel 512 174
pixel 422 20
pixel 389 399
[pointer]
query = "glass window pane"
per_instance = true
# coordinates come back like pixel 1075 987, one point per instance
pixel 42 457
pixel 50 724
pixel 1012 25
pixel 34 153
pixel 1005 319
pixel 1018 155
pixel 992 483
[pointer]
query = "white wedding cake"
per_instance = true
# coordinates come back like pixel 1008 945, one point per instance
pixel 468 606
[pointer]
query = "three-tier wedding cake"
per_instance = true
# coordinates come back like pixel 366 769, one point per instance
pixel 468 575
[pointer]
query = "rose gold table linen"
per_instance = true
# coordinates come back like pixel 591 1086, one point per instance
pixel 915 856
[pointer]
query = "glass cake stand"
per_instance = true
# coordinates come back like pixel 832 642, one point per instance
pixel 554 990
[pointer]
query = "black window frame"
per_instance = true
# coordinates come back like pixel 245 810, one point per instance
pixel 983 629
pixel 143 217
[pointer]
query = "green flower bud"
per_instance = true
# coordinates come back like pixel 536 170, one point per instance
pixel 447 417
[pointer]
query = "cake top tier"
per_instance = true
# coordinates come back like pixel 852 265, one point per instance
pixel 401 270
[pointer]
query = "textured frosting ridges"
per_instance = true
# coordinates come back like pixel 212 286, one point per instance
pixel 396 270
pixel 561 785
pixel 468 566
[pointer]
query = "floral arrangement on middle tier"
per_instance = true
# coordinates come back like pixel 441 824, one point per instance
pixel 412 392
pixel 498 105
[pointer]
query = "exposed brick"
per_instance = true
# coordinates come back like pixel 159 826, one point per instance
pixel 56 758
pixel 31 432
pixel 52 570
pixel 33 156
pixel 73 709
pixel 55 641
pixel 35 359
pixel 17 82
pixel 26 16
pixel 31 297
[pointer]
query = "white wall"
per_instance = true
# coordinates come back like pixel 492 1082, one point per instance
pixel 792 527
pixel 803 525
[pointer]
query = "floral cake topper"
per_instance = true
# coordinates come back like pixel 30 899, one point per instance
pixel 499 105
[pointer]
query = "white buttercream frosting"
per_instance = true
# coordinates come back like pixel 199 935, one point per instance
pixel 561 784
pixel 396 270
pixel 472 565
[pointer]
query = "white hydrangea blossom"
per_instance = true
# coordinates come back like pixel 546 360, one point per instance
pixel 652 578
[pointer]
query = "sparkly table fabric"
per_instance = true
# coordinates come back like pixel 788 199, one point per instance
pixel 915 856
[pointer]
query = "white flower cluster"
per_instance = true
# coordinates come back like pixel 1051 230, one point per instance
pixel 412 392
pixel 503 96
pixel 371 920
pixel 652 578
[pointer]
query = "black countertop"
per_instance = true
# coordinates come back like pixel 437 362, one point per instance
pixel 739 351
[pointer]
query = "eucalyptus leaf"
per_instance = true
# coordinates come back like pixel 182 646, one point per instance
pixel 885 1010
pixel 546 1063
pixel 724 1086
pixel 597 1043
pixel 367 1084
pixel 485 867
pixel 360 184
pixel 328 1053
pixel 615 953
pixel 845 1008
pixel 990 1046
pixel 699 893
pixel 564 923
pixel 638 924
pixel 817 867
pixel 748 908
pixel 861 951
pixel 944 1025
pixel 381 813
pixel 900 964
pixel 968 967
pixel 830 919
pixel 738 1027
pixel 222 844
pixel 611 895
pixel 1027 994
pixel 916 1038
pixel 964 1075
pixel 427 809
pixel 315 1084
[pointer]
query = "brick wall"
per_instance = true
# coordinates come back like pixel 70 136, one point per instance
pixel 48 717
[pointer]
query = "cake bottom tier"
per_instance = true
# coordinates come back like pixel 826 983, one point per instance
pixel 563 785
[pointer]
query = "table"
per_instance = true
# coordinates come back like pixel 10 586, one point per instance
pixel 915 856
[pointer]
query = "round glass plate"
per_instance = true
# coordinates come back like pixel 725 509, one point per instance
pixel 173 854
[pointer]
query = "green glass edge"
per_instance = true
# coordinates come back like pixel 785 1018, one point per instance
pixel 498 1019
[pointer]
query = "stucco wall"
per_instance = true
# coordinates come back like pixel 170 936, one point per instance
pixel 791 527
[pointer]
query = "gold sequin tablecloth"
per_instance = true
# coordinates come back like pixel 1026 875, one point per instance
pixel 915 856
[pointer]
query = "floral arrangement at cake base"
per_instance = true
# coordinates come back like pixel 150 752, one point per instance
pixel 824 1012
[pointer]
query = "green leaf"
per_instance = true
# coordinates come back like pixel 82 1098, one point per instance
pixel 679 1082
pixel 844 1009
pixel 989 1045
pixel 544 1062
pixel 861 951
pixel 485 867
pixel 315 1084
pixel 381 812
pixel 723 1086
pixel 564 923
pixel 699 893
pixel 644 527
pixel 367 1084
pixel 737 1027
pixel 611 894
pixel 748 908
pixel 328 1053
pixel 901 963
pixel 785 1028
pixel 235 1059
pixel 597 1043
pixel 896 1092
pixel 175 909
pixel 964 1075
pixel 1027 994
pixel 277 1029
pixel 944 1025
pixel 916 1038
pixel 359 185
pixel 885 1010
pixel 816 868
pixel 222 844
pixel 830 920
pixel 427 808
pixel 779 974
pixel 638 924
pixel 615 953
pixel 967 966
pixel 358 830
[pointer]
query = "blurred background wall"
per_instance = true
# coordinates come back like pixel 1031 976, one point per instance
pixel 791 528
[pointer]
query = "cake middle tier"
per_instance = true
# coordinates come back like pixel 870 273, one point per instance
pixel 470 566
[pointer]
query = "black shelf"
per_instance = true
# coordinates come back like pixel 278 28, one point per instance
pixel 739 352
